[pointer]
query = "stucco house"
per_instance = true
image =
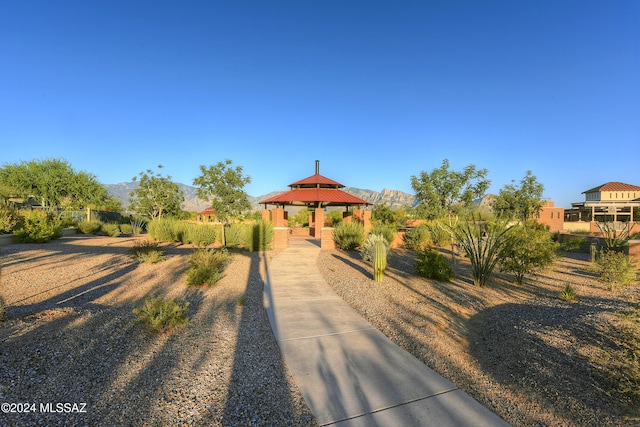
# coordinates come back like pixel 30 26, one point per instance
pixel 613 201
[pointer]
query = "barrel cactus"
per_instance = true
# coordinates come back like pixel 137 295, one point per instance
pixel 379 261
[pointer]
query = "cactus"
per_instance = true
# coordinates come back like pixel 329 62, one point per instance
pixel 379 261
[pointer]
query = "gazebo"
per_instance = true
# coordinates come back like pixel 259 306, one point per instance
pixel 316 192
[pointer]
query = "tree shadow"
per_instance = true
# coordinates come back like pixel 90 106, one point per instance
pixel 546 348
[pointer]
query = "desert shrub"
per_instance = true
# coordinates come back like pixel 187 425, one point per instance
pixel 332 218
pixel 161 315
pixel 572 242
pixel 137 226
pixel 199 234
pixel 388 231
pixel 9 218
pixel 432 265
pixel 368 248
pixel 148 252
pixel 111 229
pixel 126 228
pixel 484 243
pixel 614 268
pixel 417 238
pixel 233 234
pixel 349 235
pixel 531 248
pixel 439 235
pixel 260 236
pixel 568 294
pixel 300 219
pixel 165 230
pixel 37 227
pixel 89 227
pixel 206 266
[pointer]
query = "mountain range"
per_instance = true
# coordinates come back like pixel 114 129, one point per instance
pixel 394 198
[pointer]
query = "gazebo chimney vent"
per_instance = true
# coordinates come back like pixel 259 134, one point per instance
pixel 317 167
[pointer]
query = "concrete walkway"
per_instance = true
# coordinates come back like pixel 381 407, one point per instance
pixel 350 373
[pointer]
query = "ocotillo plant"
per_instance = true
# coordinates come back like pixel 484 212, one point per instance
pixel 379 261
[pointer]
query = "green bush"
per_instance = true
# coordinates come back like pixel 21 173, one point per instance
pixel 349 235
pixel 9 218
pixel 111 229
pixel 432 265
pixel 260 237
pixel 531 248
pixel 233 234
pixel 568 294
pixel 148 252
pixel 165 230
pixel 388 231
pixel 206 266
pixel 199 234
pixel 369 246
pixel 161 315
pixel 439 236
pixel 89 227
pixel 37 227
pixel 137 226
pixel 614 268
pixel 332 218
pixel 126 228
pixel 417 238
pixel 573 243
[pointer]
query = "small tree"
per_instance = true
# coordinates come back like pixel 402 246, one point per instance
pixel 484 244
pixel 223 185
pixel 530 249
pixel 156 195
pixel 443 191
pixel 522 202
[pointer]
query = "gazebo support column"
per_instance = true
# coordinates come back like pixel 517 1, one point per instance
pixel 278 217
pixel 364 217
pixel 317 222
pixel 266 215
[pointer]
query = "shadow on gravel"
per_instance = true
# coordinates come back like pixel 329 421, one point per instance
pixel 544 346
pixel 259 393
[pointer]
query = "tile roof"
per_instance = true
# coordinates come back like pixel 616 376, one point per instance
pixel 613 186
pixel 316 180
pixel 312 195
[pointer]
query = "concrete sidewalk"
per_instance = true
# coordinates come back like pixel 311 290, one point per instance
pixel 350 373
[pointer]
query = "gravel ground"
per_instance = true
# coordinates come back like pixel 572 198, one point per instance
pixel 71 337
pixel 519 350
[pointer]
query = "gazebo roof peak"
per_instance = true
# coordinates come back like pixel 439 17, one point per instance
pixel 316 181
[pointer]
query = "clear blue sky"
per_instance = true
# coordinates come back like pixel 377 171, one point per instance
pixel 376 90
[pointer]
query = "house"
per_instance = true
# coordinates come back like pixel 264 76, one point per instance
pixel 613 201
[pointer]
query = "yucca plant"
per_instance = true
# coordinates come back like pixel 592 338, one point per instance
pixel 484 244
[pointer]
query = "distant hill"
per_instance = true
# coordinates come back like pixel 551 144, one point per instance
pixel 394 198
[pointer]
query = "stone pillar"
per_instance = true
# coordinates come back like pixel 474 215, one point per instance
pixel 347 216
pixel 326 239
pixel 266 215
pixel 280 238
pixel 277 217
pixel 364 217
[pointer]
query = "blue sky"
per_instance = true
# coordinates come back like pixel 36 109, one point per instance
pixel 376 90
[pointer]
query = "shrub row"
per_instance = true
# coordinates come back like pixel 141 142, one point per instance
pixel 173 230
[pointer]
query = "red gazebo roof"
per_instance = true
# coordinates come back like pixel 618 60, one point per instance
pixel 316 190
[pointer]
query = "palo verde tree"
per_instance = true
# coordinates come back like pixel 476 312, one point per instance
pixel 53 183
pixel 444 190
pixel 156 195
pixel 522 202
pixel 530 249
pixel 223 185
